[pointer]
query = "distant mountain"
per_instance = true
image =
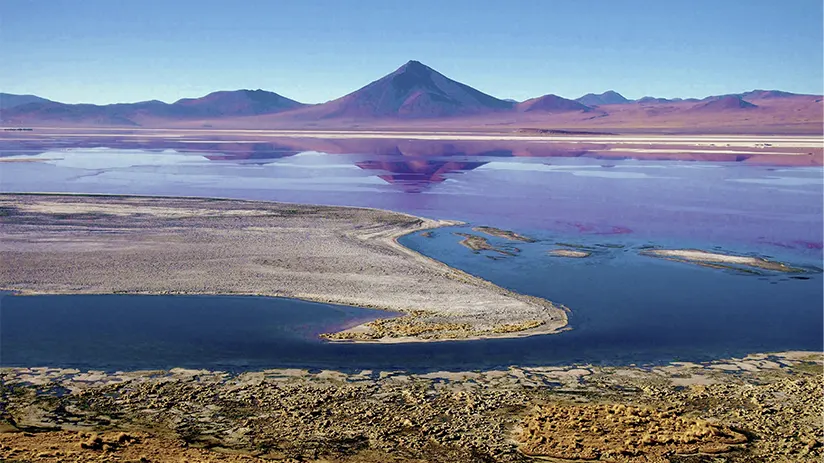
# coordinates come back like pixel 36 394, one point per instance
pixel 53 112
pixel 413 91
pixel 416 95
pixel 747 96
pixel 768 94
pixel 551 103
pixel 10 100
pixel 239 103
pixel 608 97
pixel 653 100
pixel 723 103
pixel 217 104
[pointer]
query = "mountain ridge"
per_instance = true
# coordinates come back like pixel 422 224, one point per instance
pixel 412 92
pixel 600 99
pixel 11 100
pixel 215 104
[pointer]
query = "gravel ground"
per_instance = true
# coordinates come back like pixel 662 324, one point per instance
pixel 763 408
pixel 149 245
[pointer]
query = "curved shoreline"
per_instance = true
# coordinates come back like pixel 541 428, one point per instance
pixel 466 277
pixel 99 244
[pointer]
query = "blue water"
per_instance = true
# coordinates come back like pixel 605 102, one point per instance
pixel 645 306
pixel 723 203
pixel 626 308
pixel 123 332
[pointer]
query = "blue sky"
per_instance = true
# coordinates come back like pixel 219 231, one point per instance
pixel 103 51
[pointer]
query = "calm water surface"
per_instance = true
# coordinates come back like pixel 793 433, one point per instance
pixel 627 308
pixel 724 203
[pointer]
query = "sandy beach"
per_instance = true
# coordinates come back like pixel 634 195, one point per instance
pixel 72 244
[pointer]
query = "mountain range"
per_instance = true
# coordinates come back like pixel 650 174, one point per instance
pixel 416 95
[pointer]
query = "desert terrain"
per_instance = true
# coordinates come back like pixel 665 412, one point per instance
pixel 762 408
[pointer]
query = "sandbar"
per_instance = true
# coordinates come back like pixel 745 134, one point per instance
pixel 569 253
pixel 696 256
pixel 80 244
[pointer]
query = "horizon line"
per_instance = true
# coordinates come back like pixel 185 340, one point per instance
pixel 34 94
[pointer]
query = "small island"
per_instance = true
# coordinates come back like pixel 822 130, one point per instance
pixel 505 234
pixel 479 243
pixel 571 253
pixel 719 260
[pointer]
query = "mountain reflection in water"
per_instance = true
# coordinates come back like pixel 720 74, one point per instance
pixel 706 198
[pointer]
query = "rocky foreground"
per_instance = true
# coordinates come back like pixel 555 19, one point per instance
pixel 73 244
pixel 756 409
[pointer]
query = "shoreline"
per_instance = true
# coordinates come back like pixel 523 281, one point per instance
pixel 376 232
pixel 799 139
pixel 791 150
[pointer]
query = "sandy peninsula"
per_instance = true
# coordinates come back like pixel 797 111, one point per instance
pixel 72 244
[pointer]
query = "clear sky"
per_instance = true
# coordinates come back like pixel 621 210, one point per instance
pixel 103 51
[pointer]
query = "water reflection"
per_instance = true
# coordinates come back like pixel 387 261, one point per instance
pixel 273 147
pixel 415 176
pixel 570 188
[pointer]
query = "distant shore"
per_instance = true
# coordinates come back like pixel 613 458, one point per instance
pixel 783 150
pixel 81 244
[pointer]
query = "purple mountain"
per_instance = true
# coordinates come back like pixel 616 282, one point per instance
pixel 551 103
pixel 413 91
pixel 217 104
pixel 9 100
pixel 239 103
pixel 723 103
pixel 608 97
